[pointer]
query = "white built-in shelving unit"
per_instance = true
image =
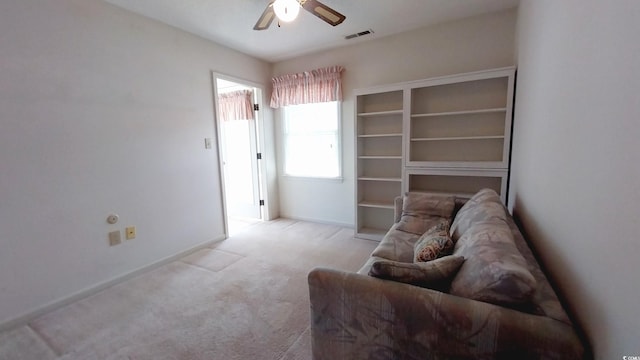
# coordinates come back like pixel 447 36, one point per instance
pixel 449 134
pixel 379 159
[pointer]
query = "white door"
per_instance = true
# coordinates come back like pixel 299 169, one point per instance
pixel 240 161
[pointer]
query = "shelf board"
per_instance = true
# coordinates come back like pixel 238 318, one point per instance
pixel 465 195
pixel 380 135
pixel 380 157
pixel 484 165
pixel 389 179
pixel 380 113
pixel 451 138
pixel 377 204
pixel 464 112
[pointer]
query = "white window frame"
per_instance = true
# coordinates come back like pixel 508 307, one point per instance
pixel 339 177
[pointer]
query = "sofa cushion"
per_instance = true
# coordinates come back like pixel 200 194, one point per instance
pixel 417 203
pixel 420 211
pixel 417 225
pixel 434 243
pixel 494 270
pixel 484 205
pixel 396 245
pixel 544 301
pixel 434 274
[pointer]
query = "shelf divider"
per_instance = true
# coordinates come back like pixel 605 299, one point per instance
pixel 463 112
pixel 380 113
pixel 452 138
pixel 380 135
pixel 370 178
pixel 377 204
pixel 381 157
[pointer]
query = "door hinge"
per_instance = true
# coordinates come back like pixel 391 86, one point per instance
pixel 261 202
pixel 259 156
pixel 256 107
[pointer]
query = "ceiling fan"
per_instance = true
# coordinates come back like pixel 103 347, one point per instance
pixel 287 10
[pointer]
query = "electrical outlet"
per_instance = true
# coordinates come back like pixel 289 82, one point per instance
pixel 114 238
pixel 130 232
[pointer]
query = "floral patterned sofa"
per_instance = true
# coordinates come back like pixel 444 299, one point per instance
pixel 483 298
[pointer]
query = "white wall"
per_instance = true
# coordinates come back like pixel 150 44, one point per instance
pixel 102 111
pixel 471 44
pixel 576 158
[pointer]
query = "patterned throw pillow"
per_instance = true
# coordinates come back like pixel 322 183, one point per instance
pixel 435 274
pixel 434 243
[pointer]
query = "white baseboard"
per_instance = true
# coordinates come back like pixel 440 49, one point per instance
pixel 25 318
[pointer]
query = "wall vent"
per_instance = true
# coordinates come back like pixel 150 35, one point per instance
pixel 358 34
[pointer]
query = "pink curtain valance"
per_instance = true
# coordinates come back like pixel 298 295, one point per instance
pixel 236 105
pixel 315 86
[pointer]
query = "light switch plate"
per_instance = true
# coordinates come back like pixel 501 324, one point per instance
pixel 114 238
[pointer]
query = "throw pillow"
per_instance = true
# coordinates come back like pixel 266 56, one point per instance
pixel 434 274
pixel 484 205
pixel 434 243
pixel 494 270
pixel 421 211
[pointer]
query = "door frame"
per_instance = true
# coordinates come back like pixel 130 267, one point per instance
pixel 259 126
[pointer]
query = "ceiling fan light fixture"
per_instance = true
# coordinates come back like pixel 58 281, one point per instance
pixel 286 10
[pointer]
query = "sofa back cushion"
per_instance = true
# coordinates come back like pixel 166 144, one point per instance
pixel 417 203
pixel 494 270
pixel 421 211
pixel 483 206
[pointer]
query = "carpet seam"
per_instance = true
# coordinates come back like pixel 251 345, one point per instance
pixel 214 271
pixel 334 234
pixel 226 251
pixel 205 268
pixel 294 342
pixel 290 225
pixel 46 342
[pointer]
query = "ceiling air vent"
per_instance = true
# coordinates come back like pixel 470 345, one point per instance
pixel 358 34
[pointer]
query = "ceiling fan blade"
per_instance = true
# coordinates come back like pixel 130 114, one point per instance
pixel 266 18
pixel 323 11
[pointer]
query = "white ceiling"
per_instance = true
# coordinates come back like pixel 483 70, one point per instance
pixel 230 22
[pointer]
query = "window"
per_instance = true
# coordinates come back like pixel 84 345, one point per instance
pixel 310 103
pixel 312 140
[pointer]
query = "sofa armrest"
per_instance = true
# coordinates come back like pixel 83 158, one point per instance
pixel 355 316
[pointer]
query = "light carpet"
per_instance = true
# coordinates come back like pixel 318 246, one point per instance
pixel 243 298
